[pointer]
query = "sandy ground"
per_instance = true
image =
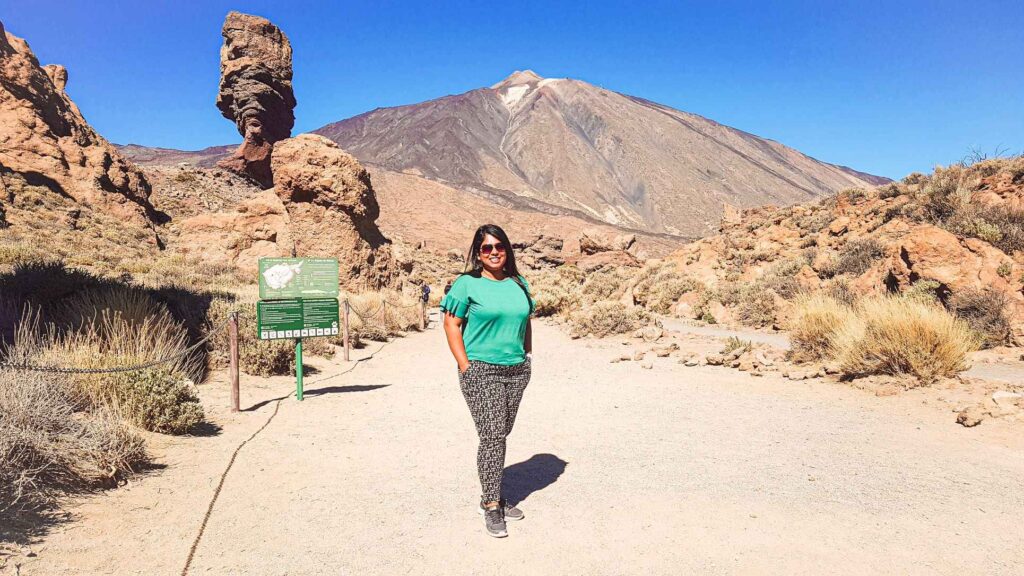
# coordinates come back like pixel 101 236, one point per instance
pixel 620 470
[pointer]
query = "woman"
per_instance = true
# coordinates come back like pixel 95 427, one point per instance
pixel 487 323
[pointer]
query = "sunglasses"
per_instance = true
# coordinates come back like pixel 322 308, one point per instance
pixel 486 249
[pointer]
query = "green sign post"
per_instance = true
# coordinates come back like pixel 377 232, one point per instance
pixel 298 299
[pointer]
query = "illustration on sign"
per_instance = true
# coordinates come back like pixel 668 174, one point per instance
pixel 280 275
pixel 298 278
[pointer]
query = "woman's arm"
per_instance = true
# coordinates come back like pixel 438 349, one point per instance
pixel 453 332
pixel 528 339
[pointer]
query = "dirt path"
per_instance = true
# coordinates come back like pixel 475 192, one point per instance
pixel 672 470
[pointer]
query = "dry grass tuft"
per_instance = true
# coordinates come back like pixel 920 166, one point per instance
pixel 903 336
pixel 816 320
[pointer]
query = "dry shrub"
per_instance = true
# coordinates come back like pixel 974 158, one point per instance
pixel 377 315
pixel 903 336
pixel 660 285
pixel 985 312
pixel 114 328
pixel 781 277
pixel 856 256
pixel 48 447
pixel 945 199
pixel 756 306
pixel 557 291
pixel 606 284
pixel 606 318
pixel 816 320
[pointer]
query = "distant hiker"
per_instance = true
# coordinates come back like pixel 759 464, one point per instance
pixel 487 323
pixel 425 292
pixel 447 287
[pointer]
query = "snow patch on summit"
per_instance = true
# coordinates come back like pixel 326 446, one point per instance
pixel 513 95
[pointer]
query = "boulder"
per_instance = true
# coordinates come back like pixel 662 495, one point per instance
pixel 927 252
pixel 540 251
pixel 606 259
pixel 255 91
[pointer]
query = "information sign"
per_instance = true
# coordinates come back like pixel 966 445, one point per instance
pixel 307 318
pixel 298 278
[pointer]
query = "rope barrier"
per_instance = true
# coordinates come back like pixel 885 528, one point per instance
pixel 116 369
pixel 234 456
pixel 220 486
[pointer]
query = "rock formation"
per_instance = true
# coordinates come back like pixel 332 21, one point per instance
pixel 319 202
pixel 45 141
pixel 256 91
pixel 322 205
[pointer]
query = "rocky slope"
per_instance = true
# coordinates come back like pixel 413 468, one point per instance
pixel 46 143
pixel 568 144
pixel 956 236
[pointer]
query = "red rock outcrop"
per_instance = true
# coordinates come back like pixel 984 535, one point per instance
pixel 256 91
pixel 45 141
pixel 322 205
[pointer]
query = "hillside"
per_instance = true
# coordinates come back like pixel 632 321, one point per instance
pixel 955 236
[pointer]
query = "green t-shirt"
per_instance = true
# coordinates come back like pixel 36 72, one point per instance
pixel 494 314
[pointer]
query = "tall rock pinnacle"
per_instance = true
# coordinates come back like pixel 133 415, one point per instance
pixel 255 91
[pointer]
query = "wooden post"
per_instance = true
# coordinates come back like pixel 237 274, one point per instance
pixel 347 340
pixel 423 315
pixel 233 366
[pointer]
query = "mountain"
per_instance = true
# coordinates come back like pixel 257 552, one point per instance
pixel 565 143
pixel 566 148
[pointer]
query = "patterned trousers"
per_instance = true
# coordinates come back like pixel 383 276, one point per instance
pixel 493 393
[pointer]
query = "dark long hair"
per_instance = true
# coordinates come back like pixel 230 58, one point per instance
pixel 474 267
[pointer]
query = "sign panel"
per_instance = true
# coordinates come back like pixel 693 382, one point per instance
pixel 281 319
pixel 298 278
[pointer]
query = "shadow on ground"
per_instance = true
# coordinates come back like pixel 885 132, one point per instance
pixel 342 389
pixel 525 478
pixel 307 393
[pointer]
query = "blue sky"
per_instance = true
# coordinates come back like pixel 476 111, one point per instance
pixel 885 87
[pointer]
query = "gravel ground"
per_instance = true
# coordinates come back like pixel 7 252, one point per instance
pixel 620 470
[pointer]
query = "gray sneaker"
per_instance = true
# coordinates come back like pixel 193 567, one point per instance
pixel 510 512
pixel 494 522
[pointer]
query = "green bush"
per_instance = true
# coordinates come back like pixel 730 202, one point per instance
pixel 157 400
